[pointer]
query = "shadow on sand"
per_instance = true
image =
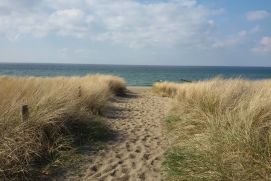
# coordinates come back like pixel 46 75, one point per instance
pixel 100 133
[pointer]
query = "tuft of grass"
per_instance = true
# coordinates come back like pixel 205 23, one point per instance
pixel 165 89
pixel 219 129
pixel 116 84
pixel 62 112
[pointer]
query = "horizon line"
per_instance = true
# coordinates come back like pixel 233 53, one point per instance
pixel 154 65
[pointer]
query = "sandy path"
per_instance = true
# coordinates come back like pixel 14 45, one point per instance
pixel 137 152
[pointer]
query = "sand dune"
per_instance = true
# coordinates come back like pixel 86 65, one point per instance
pixel 137 152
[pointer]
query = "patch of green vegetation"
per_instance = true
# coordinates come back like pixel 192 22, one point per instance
pixel 184 164
pixel 171 120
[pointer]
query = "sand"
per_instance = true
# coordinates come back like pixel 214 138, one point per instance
pixel 137 152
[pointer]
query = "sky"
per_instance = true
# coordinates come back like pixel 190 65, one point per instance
pixel 139 32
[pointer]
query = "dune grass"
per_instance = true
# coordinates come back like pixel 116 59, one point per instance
pixel 62 112
pixel 219 130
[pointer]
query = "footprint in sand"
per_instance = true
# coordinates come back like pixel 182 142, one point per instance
pixel 136 154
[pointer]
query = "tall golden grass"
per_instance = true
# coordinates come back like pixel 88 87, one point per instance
pixel 166 89
pixel 219 130
pixel 56 105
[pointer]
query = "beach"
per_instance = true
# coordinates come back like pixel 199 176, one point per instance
pixel 96 127
pixel 135 90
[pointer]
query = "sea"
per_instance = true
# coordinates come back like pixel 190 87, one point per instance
pixel 136 75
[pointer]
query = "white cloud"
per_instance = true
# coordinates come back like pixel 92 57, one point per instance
pixel 230 41
pixel 68 22
pixel 257 15
pixel 264 45
pixel 135 23
pixel 127 22
pixel 235 39
pixel 63 4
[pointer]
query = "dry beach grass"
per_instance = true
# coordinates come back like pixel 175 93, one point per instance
pixel 219 130
pixel 60 109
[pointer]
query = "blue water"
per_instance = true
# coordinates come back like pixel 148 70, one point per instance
pixel 136 75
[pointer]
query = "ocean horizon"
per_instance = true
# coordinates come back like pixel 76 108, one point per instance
pixel 136 75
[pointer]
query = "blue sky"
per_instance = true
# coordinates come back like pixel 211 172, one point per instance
pixel 152 32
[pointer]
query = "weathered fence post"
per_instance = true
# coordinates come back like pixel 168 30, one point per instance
pixel 24 113
pixel 79 91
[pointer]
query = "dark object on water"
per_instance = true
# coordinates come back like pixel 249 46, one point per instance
pixel 183 80
pixel 186 80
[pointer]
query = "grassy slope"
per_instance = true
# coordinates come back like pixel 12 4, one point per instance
pixel 219 130
pixel 63 112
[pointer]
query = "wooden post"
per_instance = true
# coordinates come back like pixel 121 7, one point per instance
pixel 24 113
pixel 79 91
